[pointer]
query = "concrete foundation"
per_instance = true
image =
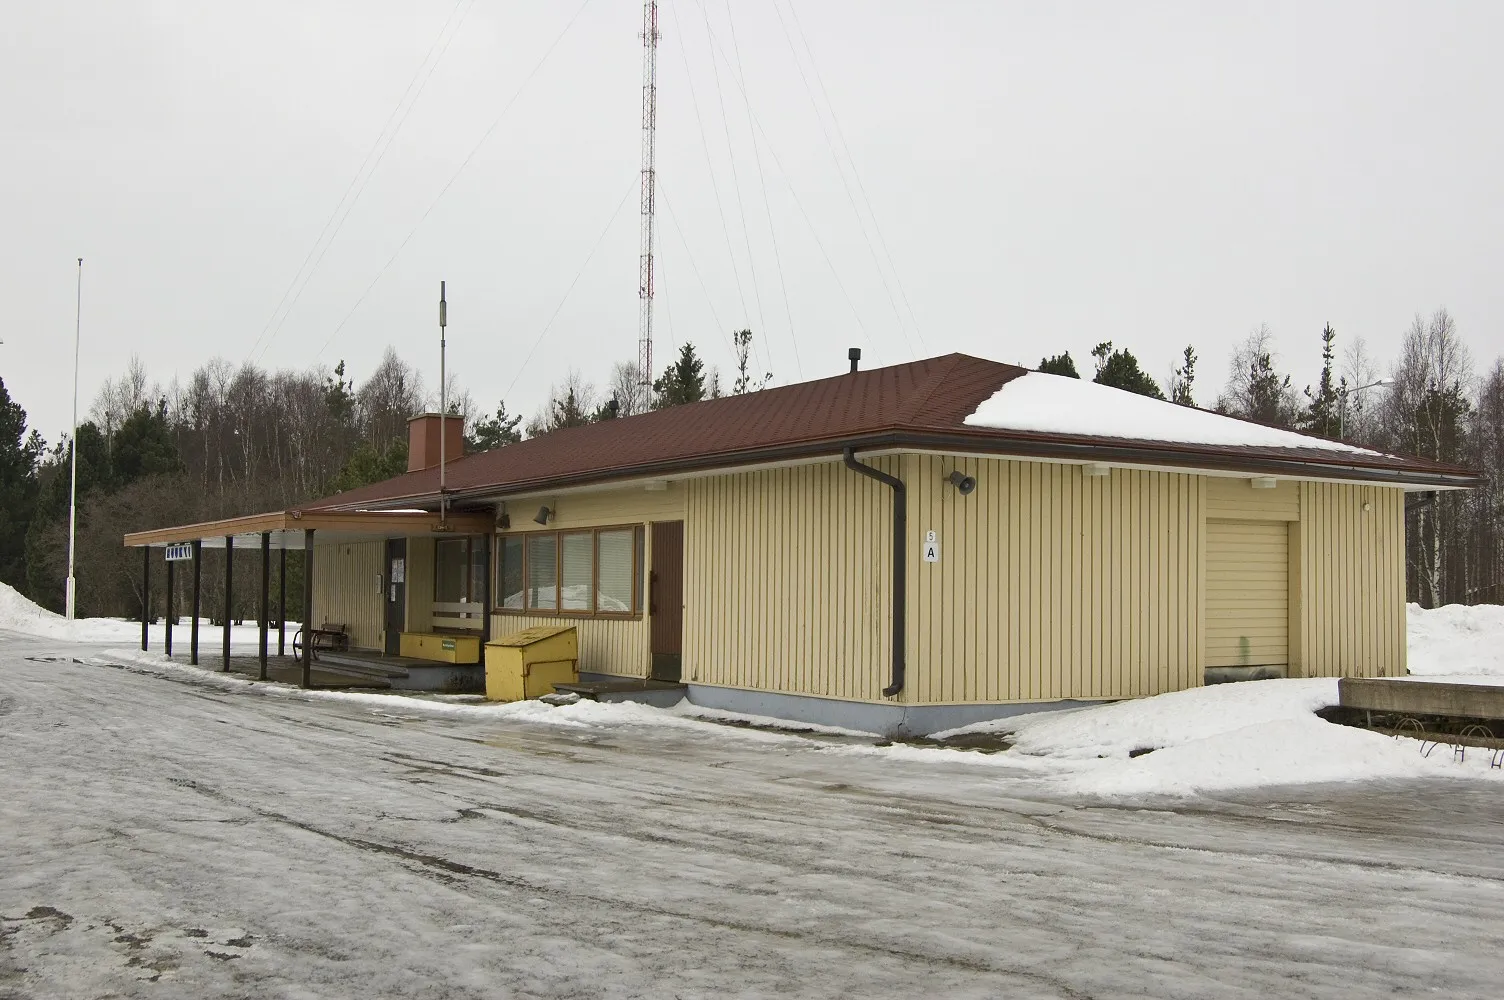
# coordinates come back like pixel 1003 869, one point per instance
pixel 450 678
pixel 894 720
pixel 1408 697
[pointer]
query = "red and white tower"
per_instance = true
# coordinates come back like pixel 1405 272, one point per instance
pixel 649 189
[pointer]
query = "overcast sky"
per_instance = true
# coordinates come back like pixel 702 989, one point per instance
pixel 1004 179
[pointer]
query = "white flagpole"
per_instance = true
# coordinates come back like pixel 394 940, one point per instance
pixel 70 598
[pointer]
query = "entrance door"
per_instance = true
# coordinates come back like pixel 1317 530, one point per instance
pixel 666 600
pixel 396 593
pixel 1247 594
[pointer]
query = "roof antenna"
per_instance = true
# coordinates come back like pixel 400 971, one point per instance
pixel 854 355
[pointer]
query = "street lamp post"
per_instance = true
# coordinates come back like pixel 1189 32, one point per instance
pixel 1342 410
pixel 70 599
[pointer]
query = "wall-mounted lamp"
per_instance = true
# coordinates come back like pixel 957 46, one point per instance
pixel 544 515
pixel 504 521
pixel 964 484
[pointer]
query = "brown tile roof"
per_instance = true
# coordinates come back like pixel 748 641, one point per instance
pixel 921 404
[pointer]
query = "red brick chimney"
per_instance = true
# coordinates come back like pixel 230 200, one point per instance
pixel 423 440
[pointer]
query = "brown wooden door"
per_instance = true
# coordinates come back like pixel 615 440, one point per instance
pixel 666 600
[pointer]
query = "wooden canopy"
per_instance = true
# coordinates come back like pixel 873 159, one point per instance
pixel 286 528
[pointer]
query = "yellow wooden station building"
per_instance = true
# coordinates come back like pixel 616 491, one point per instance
pixel 903 549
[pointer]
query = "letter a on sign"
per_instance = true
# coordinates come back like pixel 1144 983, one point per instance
pixel 931 547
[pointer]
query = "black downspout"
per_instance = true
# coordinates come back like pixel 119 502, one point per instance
pixel 900 568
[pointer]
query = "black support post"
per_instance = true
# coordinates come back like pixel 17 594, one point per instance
pixel 307 607
pixel 229 595
pixel 266 590
pixel 145 591
pixel 282 598
pixel 485 591
pixel 198 569
pixel 167 622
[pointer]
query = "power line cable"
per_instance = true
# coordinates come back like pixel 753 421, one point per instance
pixel 845 184
pixel 636 180
pixel 361 170
pixel 371 173
pixel 794 193
pixel 455 176
pixel 762 182
pixel 709 302
pixel 709 163
pixel 736 183
pixel 851 162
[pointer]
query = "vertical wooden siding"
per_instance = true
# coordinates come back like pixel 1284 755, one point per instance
pixel 607 645
pixel 1352 583
pixel 787 580
pixel 347 589
pixel 616 646
pixel 1052 584
pixel 1229 498
pixel 419 592
pixel 590 510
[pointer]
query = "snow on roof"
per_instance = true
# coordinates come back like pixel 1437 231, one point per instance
pixel 1056 404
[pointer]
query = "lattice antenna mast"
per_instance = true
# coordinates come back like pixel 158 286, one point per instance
pixel 649 190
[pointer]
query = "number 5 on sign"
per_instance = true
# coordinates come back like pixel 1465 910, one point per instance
pixel 931 547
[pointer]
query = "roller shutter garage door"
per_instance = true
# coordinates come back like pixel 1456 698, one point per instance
pixel 1247 593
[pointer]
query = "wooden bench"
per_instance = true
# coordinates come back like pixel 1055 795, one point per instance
pixel 329 636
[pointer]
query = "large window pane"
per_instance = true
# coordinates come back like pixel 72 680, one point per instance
pixel 478 570
pixel 542 572
pixel 616 553
pixel 509 590
pixel 451 570
pixel 575 592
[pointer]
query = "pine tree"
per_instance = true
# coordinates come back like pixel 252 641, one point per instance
pixel 19 455
pixel 1322 415
pixel 1120 370
pixel 682 382
pixel 1060 364
pixel 369 465
pixel 1255 390
pixel 143 447
pixel 495 431
pixel 1184 379
pixel 1269 395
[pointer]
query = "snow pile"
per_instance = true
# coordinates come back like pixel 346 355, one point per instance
pixel 1162 721
pixel 1057 404
pixel 17 614
pixel 1220 738
pixel 1456 640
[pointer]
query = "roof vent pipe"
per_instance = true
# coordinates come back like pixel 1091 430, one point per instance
pixel 853 354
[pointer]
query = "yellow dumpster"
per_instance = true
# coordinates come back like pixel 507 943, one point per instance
pixel 439 647
pixel 529 663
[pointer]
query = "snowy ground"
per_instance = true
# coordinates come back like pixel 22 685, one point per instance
pixel 18 614
pixel 171 834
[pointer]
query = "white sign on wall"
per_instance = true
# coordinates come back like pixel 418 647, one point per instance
pixel 399 571
pixel 180 552
pixel 931 547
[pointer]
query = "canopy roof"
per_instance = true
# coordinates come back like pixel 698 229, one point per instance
pixel 286 528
